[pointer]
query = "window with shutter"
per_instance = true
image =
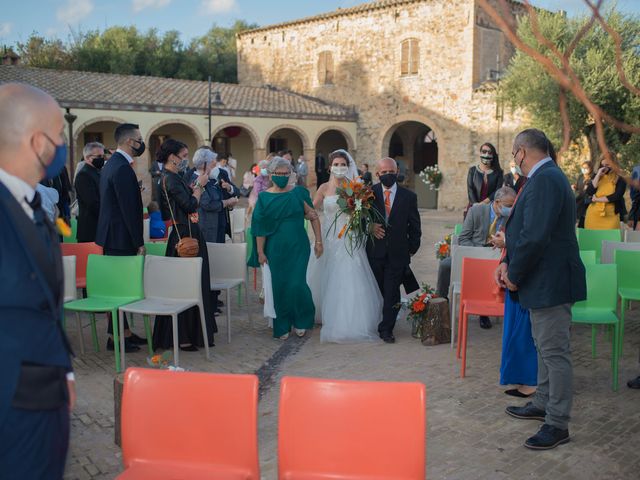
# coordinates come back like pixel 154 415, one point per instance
pixel 325 68
pixel 409 57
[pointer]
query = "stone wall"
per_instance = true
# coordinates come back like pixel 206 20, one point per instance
pixel 366 49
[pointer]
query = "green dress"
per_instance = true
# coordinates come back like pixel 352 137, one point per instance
pixel 280 218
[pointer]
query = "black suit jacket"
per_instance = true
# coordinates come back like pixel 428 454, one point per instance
pixel 87 187
pixel 403 232
pixel 475 180
pixel 542 249
pixel 120 223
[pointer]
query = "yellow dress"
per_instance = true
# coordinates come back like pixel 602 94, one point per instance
pixel 602 216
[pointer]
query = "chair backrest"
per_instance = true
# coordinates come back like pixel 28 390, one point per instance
pixel 109 276
pixel 602 287
pixel 592 239
pixel 227 261
pixel 238 220
pixel 173 278
pixel 146 229
pixel 458 253
pixel 457 229
pixel 335 429
pixel 69 267
pixel 74 232
pixel 628 262
pixel 191 418
pixel 156 248
pixel 455 239
pixel 632 236
pixel 608 249
pixel 588 257
pixel 81 251
pixel 478 282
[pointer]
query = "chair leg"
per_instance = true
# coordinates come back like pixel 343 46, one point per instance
pixel 239 295
pixel 79 322
pixel 623 309
pixel 246 294
pixel 147 329
pixel 94 333
pixel 176 339
pixel 204 330
pixel 615 355
pixel 452 318
pixel 255 279
pixel 463 341
pixel 460 314
pixel 228 315
pixel 593 341
pixel 117 338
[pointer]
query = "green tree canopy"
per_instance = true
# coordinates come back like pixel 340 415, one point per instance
pixel 527 85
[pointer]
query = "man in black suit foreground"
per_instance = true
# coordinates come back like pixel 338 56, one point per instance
pixel 120 223
pixel 543 265
pixel 394 244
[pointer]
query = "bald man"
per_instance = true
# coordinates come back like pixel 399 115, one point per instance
pixel 390 253
pixel 37 388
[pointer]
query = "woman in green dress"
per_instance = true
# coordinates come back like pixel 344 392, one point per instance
pixel 282 242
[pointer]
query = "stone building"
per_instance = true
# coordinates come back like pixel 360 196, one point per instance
pixel 421 75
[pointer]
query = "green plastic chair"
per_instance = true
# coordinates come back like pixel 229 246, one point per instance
pixel 628 262
pixel 600 309
pixel 74 232
pixel 111 283
pixel 592 239
pixel 588 257
pixel 158 249
pixel 457 230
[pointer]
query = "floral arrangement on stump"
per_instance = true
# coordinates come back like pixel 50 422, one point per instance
pixel 163 362
pixel 417 306
pixel 355 199
pixel 432 177
pixel 443 248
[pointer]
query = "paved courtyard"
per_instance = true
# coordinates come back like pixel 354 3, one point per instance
pixel 469 435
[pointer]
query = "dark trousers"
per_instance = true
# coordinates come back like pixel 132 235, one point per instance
pixel 444 277
pixel 114 252
pixel 389 278
pixel 34 444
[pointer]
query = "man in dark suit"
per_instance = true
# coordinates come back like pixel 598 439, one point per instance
pixel 87 185
pixel 543 265
pixel 321 170
pixel 390 253
pixel 120 222
pixel 37 387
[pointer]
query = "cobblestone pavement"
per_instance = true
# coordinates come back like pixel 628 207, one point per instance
pixel 469 435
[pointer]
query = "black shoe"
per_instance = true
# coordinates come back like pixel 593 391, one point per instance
pixel 220 304
pixel 189 348
pixel 128 346
pixel 388 338
pixel 136 340
pixel 485 322
pixel 548 437
pixel 528 412
pixel 514 392
pixel 217 311
pixel 635 383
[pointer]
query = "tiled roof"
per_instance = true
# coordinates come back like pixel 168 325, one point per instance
pixel 136 93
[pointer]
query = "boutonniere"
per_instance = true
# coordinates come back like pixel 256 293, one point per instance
pixel 63 228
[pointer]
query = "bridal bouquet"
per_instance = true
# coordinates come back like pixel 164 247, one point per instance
pixel 443 248
pixel 431 176
pixel 355 199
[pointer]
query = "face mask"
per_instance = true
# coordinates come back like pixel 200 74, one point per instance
pixel 264 172
pixel 514 171
pixel 389 179
pixel 339 171
pixel 184 163
pixel 505 211
pixel 139 150
pixel 486 159
pixel 54 168
pixel 213 174
pixel 98 162
pixel 584 171
pixel 280 180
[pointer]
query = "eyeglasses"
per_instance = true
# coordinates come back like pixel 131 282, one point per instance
pixel 280 174
pixel 485 151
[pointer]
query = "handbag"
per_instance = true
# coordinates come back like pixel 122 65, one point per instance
pixel 186 246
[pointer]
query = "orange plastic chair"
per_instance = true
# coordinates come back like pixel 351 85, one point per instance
pixel 332 429
pixel 186 425
pixel 479 295
pixel 82 252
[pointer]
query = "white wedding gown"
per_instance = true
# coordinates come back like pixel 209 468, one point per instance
pixel 345 292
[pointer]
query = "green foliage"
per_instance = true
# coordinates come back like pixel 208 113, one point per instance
pixel 528 86
pixel 126 50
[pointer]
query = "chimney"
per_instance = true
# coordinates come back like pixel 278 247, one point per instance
pixel 9 57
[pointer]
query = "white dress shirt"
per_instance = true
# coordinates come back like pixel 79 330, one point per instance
pixel 126 155
pixel 21 190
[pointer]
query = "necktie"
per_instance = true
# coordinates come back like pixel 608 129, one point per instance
pixel 40 221
pixel 387 202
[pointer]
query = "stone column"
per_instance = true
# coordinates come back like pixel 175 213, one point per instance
pixel 259 154
pixel 310 157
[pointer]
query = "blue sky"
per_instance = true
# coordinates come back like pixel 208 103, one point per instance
pixel 58 18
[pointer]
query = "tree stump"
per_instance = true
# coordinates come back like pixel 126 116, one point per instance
pixel 436 324
pixel 118 386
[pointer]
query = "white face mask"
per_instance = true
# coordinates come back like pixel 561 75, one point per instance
pixel 213 174
pixel 584 171
pixel 514 170
pixel 264 172
pixel 339 171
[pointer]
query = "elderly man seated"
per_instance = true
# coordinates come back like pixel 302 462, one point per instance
pixel 483 221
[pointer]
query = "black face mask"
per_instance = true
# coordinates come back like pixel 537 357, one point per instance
pixel 139 150
pixel 98 162
pixel 389 179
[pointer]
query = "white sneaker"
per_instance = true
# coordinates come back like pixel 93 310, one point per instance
pixel 284 337
pixel 300 332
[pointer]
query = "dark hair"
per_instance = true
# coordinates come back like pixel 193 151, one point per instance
pixel 168 147
pixel 495 162
pixel 282 153
pixel 338 154
pixel 125 131
pixel 365 165
pixel 153 207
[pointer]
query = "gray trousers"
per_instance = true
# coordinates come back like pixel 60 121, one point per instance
pixel 550 328
pixel 444 278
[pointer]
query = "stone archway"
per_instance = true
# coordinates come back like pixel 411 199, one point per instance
pixel 238 140
pixel 287 137
pixel 414 145
pixel 333 138
pixel 99 129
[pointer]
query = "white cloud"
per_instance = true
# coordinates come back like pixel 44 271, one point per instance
pixel 139 5
pixel 5 29
pixel 218 6
pixel 74 10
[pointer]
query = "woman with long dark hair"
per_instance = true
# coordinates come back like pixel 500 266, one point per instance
pixel 179 202
pixel 485 178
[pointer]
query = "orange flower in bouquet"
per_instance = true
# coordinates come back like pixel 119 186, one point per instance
pixel 443 248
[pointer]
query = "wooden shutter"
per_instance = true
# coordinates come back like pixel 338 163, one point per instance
pixel 414 56
pixel 404 58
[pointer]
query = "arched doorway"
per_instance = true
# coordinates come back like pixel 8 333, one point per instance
pixel 286 138
pixel 239 142
pixel 330 141
pixel 414 146
pixel 99 130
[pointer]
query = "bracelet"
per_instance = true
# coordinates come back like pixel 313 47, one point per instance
pixel 318 243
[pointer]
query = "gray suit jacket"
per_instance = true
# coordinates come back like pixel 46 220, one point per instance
pixel 476 226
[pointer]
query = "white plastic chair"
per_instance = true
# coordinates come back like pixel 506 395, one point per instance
pixel 632 236
pixel 457 254
pixel 228 269
pixel 146 229
pixel 70 290
pixel 238 226
pixel 455 239
pixel 171 286
pixel 609 248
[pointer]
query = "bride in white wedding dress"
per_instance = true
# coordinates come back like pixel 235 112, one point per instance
pixel 345 292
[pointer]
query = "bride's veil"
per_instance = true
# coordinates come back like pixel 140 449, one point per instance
pixel 353 169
